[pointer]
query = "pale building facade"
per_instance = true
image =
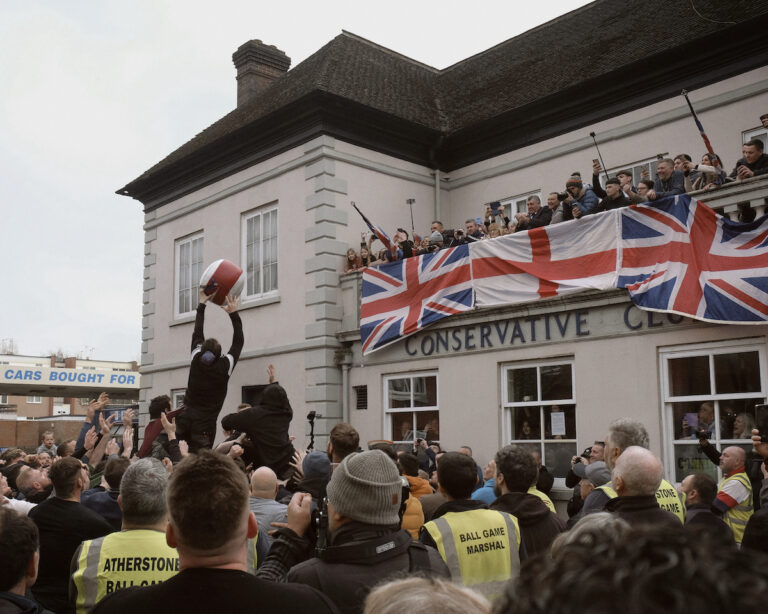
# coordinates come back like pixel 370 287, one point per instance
pixel 269 187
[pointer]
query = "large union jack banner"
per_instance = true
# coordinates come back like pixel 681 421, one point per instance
pixel 675 255
pixel 403 297
pixel 680 256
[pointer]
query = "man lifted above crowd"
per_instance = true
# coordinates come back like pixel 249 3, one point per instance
pixel 208 378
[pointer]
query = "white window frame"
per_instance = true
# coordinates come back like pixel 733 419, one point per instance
pixel 3 399
pixel 756 133
pixel 177 397
pixel 519 203
pixel 246 217
pixel 388 411
pixel 703 349
pixel 193 283
pixel 508 407
pixel 34 400
pixel 635 167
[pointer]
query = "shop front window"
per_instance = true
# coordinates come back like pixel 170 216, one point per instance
pixel 412 409
pixel 540 411
pixel 710 392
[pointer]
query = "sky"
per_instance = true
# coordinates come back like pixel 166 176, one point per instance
pixel 93 93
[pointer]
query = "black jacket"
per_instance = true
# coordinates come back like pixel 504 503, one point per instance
pixel 613 203
pixel 215 590
pixel 541 217
pixel 700 519
pixel 207 384
pixel 538 525
pixel 759 167
pixel 353 564
pixel 267 427
pixel 642 510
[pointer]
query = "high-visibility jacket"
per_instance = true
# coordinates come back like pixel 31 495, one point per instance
pixel 481 548
pixel 138 557
pixel 547 501
pixel 666 496
pixel 738 517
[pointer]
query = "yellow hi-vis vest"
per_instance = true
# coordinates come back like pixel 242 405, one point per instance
pixel 137 557
pixel 738 517
pixel 666 496
pixel 547 501
pixel 481 548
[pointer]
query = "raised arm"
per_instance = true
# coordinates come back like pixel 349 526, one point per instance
pixel 237 329
pixel 197 334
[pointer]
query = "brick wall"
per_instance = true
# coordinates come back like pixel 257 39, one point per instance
pixel 26 434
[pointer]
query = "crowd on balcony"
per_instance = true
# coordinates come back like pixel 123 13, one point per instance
pixel 678 175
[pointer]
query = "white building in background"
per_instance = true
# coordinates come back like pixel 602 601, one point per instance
pixel 269 187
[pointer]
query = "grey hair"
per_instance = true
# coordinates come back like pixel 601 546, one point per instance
pixel 592 528
pixel 142 492
pixel 535 198
pixel 426 595
pixel 626 432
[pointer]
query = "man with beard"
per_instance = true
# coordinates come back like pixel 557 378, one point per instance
pixel 515 473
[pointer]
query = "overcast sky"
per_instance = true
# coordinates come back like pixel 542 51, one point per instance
pixel 93 93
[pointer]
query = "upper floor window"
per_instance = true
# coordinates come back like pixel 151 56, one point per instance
pixel 756 133
pixel 650 166
pixel 34 399
pixel 3 399
pixel 259 251
pixel 189 269
pixel 518 204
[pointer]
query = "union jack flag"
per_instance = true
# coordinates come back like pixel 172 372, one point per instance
pixel 402 297
pixel 680 256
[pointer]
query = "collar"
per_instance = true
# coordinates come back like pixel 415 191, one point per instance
pixel 459 505
pixel 359 531
pixel 739 469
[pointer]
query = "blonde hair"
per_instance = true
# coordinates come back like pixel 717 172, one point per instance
pixel 426 596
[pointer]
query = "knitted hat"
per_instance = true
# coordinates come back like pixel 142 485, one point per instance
pixel 573 180
pixel 316 465
pixel 366 487
pixel 435 238
pixel 598 473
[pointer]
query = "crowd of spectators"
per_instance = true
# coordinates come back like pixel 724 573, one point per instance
pixel 678 175
pixel 345 530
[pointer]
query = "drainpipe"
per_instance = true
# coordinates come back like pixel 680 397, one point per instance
pixel 437 195
pixel 346 364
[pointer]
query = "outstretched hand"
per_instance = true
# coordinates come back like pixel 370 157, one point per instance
pixel 299 514
pixel 231 304
pixel 271 373
pixel 204 298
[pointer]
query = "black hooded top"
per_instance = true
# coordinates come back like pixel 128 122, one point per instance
pixel 538 525
pixel 267 427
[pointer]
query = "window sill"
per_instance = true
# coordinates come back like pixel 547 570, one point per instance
pixel 245 305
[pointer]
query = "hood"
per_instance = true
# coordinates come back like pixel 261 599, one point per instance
pixel 528 509
pixel 275 397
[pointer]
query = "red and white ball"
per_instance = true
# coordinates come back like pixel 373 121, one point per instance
pixel 221 278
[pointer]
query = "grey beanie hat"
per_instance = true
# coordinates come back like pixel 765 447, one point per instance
pixel 366 487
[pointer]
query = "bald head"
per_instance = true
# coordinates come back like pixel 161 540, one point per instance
pixel 732 458
pixel 264 483
pixel 637 472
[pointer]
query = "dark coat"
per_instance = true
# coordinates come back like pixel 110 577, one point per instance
pixel 700 519
pixel 267 427
pixel 348 580
pixel 642 510
pixel 538 525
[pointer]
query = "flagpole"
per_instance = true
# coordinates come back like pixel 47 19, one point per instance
pixel 410 202
pixel 704 136
pixel 599 155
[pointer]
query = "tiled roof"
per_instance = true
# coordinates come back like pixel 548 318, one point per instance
pixel 596 40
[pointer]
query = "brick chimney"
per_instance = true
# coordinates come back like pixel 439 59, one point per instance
pixel 257 66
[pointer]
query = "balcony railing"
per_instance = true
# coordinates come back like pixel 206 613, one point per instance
pixel 728 200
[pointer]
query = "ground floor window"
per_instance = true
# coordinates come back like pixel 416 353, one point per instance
pixel 711 390
pixel 539 411
pixel 411 408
